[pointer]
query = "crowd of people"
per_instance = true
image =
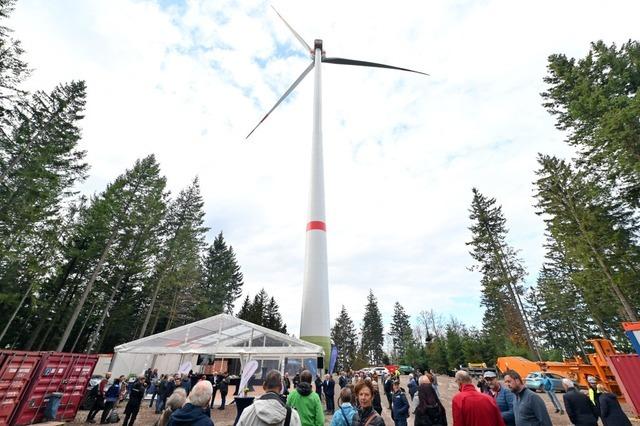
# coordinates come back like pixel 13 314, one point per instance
pixel 306 401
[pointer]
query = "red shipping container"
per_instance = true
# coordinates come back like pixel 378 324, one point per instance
pixel 627 371
pixel 66 373
pixel 16 370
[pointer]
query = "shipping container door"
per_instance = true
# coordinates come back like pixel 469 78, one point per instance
pixel 16 371
pixel 75 384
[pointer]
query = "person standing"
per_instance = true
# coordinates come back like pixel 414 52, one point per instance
pixel 342 381
pixel 550 390
pixel 162 394
pixel 610 411
pixel 318 383
pixel 306 402
pixel 296 380
pixel 135 400
pixel 594 395
pixel 286 384
pixel 434 382
pixel 377 402
pixel 472 408
pixel 328 387
pixel 346 412
pixel 388 389
pixel 174 403
pixel 269 409
pixel 400 410
pixel 430 411
pixel 366 415
pixel 223 387
pixel 110 398
pixel 528 408
pixel 195 411
pixel 412 386
pixel 504 397
pixel 214 385
pixel 98 403
pixel 580 410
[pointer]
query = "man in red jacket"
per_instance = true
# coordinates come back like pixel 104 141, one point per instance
pixel 472 408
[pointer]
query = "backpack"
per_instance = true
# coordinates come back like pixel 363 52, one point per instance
pixel 113 417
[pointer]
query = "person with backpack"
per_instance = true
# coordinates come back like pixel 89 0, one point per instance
pixel 430 411
pixel 400 406
pixel 110 398
pixel 345 413
pixel 270 409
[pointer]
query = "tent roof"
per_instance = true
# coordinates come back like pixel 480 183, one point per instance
pixel 222 335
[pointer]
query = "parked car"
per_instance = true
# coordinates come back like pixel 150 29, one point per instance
pixel 380 371
pixel 534 381
pixel 406 369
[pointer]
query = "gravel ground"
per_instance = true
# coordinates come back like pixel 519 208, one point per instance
pixel 226 417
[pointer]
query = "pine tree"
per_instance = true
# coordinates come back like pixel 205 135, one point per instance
pixel 177 272
pixel 221 279
pixel 502 274
pixel 400 332
pixel 595 231
pixel 595 101
pixel 264 311
pixel 372 331
pixel 343 335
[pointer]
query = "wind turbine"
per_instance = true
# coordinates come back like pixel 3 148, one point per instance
pixel 314 321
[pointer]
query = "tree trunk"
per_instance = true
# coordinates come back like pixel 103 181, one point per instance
pixel 106 309
pixel 84 324
pixel 626 306
pixel 150 310
pixel 15 312
pixel 86 292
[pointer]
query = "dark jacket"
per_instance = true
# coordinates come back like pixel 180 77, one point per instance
pixel 434 415
pixel 328 387
pixel 579 408
pixel 342 381
pixel 318 384
pixel 388 385
pixel 171 386
pixel 504 400
pixel 400 405
pixel 362 416
pixel 377 403
pixel 223 384
pixel 530 410
pixel 137 393
pixel 412 386
pixel 190 415
pixel 610 411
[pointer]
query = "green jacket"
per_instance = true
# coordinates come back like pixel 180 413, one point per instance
pixel 307 404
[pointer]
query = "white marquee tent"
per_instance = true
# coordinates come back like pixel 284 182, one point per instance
pixel 222 336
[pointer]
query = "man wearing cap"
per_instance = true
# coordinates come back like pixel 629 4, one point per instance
pixel 504 397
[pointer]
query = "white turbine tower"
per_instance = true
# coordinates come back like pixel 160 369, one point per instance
pixel 314 321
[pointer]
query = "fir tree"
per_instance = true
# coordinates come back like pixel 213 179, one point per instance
pixel 400 332
pixel 502 273
pixel 372 332
pixel 343 335
pixel 221 279
pixel 264 311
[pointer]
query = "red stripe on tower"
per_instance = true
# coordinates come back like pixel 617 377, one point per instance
pixel 316 224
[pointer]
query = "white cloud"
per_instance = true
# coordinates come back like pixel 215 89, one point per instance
pixel 402 151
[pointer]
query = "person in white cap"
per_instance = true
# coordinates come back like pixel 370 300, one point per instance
pixel 579 408
pixel 504 397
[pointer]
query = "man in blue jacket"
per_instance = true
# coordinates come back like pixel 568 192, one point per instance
pixel 504 397
pixel 548 387
pixel 400 407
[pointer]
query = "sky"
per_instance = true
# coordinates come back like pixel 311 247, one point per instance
pixel 188 79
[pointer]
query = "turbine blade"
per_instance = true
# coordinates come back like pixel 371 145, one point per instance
pixel 300 39
pixel 343 61
pixel 293 86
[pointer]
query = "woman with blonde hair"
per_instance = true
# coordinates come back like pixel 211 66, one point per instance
pixel 610 411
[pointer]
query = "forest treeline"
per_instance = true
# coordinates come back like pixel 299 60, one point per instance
pixel 85 273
